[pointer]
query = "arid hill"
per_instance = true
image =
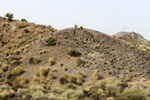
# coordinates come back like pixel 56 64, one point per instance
pixel 133 38
pixel 40 62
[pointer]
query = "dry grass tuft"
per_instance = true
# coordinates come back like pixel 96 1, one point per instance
pixel 79 62
pixel 34 60
pixel 44 71
pixel 80 77
pixel 17 71
pixel 51 61
pixel 96 75
pixel 72 79
pixel 50 76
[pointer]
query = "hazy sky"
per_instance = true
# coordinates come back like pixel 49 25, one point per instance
pixel 108 16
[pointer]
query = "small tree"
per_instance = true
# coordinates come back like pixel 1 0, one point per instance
pixel 9 16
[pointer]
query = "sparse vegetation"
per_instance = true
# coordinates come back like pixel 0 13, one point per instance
pixel 124 66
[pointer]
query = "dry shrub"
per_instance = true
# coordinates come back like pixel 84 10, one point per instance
pixel 43 80
pixel 44 71
pixel 80 77
pixel 4 68
pixel 51 61
pixel 96 46
pixel 34 60
pixel 20 81
pixel 64 78
pixel 72 79
pixel 17 71
pixel 50 76
pixel 79 62
pixel 96 75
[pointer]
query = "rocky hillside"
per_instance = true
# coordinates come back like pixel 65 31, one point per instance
pixel 133 38
pixel 40 62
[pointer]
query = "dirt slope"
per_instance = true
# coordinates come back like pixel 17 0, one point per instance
pixel 26 48
pixel 109 55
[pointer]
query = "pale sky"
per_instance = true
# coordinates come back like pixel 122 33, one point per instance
pixel 108 16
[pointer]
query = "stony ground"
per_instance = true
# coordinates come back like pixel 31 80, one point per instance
pixel 36 62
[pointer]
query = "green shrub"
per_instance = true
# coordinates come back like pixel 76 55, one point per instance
pixel 24 20
pixel 34 60
pixel 74 53
pixel 50 41
pixel 9 16
pixel 81 27
pixel 17 71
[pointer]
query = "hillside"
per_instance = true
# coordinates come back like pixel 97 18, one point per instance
pixel 133 38
pixel 39 62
